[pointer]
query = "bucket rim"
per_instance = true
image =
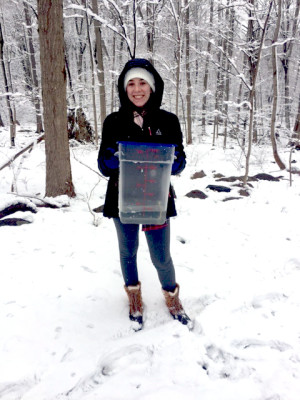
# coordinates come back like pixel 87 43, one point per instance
pixel 146 144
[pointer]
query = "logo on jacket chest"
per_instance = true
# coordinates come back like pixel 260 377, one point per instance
pixel 158 133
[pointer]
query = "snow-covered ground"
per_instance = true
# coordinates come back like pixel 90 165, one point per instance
pixel 64 314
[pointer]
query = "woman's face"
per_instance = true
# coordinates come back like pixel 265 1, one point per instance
pixel 138 91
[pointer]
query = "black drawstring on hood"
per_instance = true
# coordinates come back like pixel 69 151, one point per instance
pixel 155 98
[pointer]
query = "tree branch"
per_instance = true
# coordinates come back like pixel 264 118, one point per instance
pixel 27 148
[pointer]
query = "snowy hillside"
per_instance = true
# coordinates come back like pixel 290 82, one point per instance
pixel 64 314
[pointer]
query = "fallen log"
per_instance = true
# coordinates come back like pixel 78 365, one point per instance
pixel 47 202
pixel 17 206
pixel 13 222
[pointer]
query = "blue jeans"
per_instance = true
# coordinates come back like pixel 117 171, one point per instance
pixel 159 247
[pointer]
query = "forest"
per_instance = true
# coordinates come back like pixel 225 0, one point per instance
pixel 231 68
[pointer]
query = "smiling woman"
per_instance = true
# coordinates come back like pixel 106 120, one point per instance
pixel 138 91
pixel 142 121
pixel 139 83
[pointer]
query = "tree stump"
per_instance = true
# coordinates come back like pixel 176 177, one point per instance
pixel 79 127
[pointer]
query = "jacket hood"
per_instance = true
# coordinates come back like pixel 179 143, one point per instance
pixel 156 97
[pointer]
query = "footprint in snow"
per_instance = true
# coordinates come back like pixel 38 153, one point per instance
pixel 113 363
pixel 16 390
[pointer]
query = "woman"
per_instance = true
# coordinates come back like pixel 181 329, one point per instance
pixel 140 119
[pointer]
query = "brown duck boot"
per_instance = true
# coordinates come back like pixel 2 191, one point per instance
pixel 175 307
pixel 134 294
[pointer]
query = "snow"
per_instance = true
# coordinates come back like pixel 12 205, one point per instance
pixel 65 332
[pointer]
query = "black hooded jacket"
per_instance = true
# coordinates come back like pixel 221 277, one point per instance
pixel 159 126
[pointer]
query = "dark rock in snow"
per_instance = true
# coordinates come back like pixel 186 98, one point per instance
pixel 196 194
pixel 261 176
pixel 244 192
pixel 218 176
pixel 241 185
pixel 231 198
pixel 218 188
pixel 229 179
pixel 267 177
pixel 197 175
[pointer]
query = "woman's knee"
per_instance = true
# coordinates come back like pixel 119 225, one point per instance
pixel 161 260
pixel 127 237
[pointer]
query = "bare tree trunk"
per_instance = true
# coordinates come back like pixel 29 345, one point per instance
pixel 206 70
pixel 79 25
pixel 53 72
pixel 188 75
pixel 93 74
pixel 70 81
pixel 286 93
pixel 150 30
pixel 223 107
pixel 252 94
pixel 134 27
pixel 112 97
pixel 33 71
pixel 230 17
pixel 100 66
pixel 241 121
pixel 253 39
pixel 219 91
pixel 152 11
pixel 175 13
pixel 285 58
pixel 12 121
pixel 297 123
pixel 178 72
pixel 275 90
